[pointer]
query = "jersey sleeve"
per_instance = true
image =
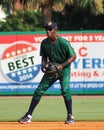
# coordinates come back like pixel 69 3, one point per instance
pixel 41 49
pixel 70 50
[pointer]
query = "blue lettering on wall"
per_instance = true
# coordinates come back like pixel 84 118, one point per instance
pixel 88 63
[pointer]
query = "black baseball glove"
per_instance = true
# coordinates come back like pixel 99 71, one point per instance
pixel 52 68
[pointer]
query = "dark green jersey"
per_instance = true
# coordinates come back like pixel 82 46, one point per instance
pixel 58 52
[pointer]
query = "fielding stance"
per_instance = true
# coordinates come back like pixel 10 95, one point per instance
pixel 57 56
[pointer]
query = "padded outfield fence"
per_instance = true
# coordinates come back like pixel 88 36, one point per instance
pixel 20 71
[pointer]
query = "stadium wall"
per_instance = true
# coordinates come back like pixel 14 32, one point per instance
pixel 20 71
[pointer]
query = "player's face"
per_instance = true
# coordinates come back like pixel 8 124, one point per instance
pixel 50 32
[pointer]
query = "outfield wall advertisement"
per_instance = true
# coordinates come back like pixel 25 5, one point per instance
pixel 20 62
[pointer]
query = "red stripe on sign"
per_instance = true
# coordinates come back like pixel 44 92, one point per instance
pixel 37 38
pixel 91 37
pixel 7 39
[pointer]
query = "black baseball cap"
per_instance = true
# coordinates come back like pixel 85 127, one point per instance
pixel 51 25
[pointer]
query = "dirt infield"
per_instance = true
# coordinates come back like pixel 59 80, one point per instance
pixel 52 126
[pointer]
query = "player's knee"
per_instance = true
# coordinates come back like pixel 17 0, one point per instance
pixel 66 94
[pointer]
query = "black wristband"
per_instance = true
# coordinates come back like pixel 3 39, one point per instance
pixel 64 64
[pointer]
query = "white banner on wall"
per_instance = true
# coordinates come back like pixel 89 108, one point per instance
pixel 20 63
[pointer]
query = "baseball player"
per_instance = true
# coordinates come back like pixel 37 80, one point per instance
pixel 57 50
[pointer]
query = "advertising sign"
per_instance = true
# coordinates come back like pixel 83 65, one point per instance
pixel 20 63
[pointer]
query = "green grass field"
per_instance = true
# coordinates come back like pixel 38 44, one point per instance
pixel 52 109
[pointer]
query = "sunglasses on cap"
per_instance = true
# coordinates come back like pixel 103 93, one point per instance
pixel 49 29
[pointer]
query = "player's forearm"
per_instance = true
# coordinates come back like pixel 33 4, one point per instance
pixel 69 61
pixel 43 62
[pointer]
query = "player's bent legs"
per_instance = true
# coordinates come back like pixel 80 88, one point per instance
pixel 65 88
pixel 64 78
pixel 45 83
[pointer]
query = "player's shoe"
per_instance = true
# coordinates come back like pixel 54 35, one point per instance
pixel 70 119
pixel 25 119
